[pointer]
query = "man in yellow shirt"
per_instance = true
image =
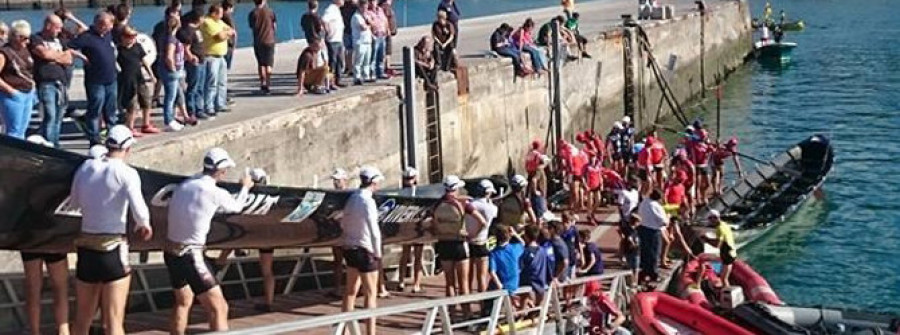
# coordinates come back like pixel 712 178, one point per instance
pixel 216 34
pixel 725 242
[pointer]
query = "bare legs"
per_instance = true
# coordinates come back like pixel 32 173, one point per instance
pixel 479 274
pixel 456 274
pixel 265 265
pixel 114 295
pixel 368 281
pixel 417 254
pixel 59 279
pixel 213 301
pixel 338 269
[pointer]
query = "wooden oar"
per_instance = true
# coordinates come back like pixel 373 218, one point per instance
pixel 793 172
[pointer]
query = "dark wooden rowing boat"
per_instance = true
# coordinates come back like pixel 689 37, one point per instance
pixel 37 216
pixel 773 191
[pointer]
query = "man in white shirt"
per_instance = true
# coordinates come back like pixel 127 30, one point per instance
pixel 334 39
pixel 362 243
pixel 478 233
pixel 194 203
pixel 339 179
pixel 362 45
pixel 653 222
pixel 104 189
pixel 627 199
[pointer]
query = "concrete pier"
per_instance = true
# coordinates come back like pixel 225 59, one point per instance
pixel 300 140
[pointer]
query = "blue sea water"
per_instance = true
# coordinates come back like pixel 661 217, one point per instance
pixel 288 13
pixel 844 82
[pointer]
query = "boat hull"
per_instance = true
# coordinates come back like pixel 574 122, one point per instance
pixel 656 313
pixel 777 52
pixel 38 216
pixel 774 191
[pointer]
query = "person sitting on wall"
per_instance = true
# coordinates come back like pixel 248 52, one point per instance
pixel 572 25
pixel 503 46
pixel 313 74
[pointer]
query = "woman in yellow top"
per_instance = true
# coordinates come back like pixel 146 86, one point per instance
pixel 725 242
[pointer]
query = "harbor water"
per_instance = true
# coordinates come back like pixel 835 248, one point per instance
pixel 288 13
pixel 844 82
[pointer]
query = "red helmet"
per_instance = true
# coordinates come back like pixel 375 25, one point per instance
pixel 732 142
pixel 536 145
pixel 580 137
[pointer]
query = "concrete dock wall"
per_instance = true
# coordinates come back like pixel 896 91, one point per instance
pixel 481 130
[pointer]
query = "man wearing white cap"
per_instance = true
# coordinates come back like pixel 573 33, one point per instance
pixel 194 203
pixel 339 179
pixel 724 242
pixel 411 181
pixel 449 228
pixel 362 243
pixel 478 232
pixel 516 209
pixel 105 189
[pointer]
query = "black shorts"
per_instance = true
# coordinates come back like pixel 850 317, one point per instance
pixel 725 255
pixel 643 175
pixel 478 250
pixel 703 169
pixel 361 259
pixel 48 258
pixel 452 250
pixel 190 269
pixel 265 54
pixel 102 266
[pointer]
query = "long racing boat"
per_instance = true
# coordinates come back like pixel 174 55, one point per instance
pixel 772 192
pixel 39 216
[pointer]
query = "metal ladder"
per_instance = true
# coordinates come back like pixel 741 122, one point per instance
pixel 433 136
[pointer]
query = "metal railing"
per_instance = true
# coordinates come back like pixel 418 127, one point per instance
pixel 501 308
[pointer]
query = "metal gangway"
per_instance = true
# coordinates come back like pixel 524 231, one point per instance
pixel 438 315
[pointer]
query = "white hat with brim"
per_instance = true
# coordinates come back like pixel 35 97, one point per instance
pixel 410 172
pixel 120 137
pixel 453 183
pixel 98 151
pixel 713 214
pixel 519 181
pixel 339 174
pixel 370 174
pixel 258 175
pixel 218 159
pixel 487 186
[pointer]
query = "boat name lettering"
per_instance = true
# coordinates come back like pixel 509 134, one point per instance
pixel 66 208
pixel 256 204
pixel 402 213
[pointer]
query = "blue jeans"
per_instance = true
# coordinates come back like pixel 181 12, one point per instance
pixel 377 61
pixel 512 53
pixel 538 59
pixel 53 99
pixel 336 59
pixel 101 100
pixel 216 79
pixel 650 241
pixel 362 61
pixel 196 87
pixel 16 112
pixel 171 81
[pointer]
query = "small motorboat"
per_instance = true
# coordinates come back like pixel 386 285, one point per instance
pixel 772 320
pixel 656 313
pixel 771 51
pixel 774 191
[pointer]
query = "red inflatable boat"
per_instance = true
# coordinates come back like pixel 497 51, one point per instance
pixel 658 313
pixel 693 272
pixel 755 287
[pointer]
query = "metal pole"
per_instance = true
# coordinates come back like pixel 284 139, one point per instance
pixel 557 80
pixel 409 101
pixel 718 109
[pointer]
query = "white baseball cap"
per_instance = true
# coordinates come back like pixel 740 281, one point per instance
pixel 98 151
pixel 453 183
pixel 259 175
pixel 370 174
pixel 545 159
pixel 626 119
pixel 487 186
pixel 217 159
pixel 410 172
pixel 713 214
pixel 617 125
pixel 119 137
pixel 519 181
pixel 339 174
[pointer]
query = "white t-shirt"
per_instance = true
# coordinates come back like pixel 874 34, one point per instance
pixel 627 200
pixel 362 32
pixel 653 215
pixel 334 24
pixel 193 205
pixel 489 212
pixel 105 189
pixel 360 222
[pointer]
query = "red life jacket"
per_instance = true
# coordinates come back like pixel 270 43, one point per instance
pixel 594 176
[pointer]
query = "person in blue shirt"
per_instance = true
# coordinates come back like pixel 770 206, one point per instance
pixel 503 261
pixel 537 263
pixel 592 257
pixel 100 74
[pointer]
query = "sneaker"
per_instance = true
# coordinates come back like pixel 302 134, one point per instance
pixel 223 110
pixel 150 129
pixel 357 82
pixel 229 101
pixel 204 116
pixel 174 126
